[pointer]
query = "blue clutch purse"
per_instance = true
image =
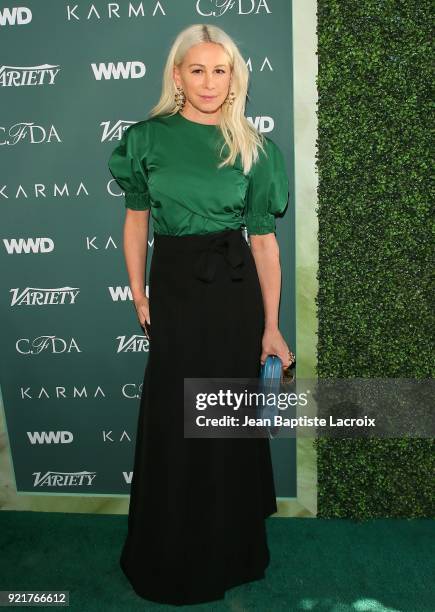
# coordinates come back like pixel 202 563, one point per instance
pixel 270 381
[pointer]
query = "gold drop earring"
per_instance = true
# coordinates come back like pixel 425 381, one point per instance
pixel 230 98
pixel 180 98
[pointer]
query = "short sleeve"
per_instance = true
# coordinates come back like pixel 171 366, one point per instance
pixel 268 190
pixel 126 164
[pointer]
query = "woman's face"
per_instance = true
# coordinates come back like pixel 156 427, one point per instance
pixel 204 76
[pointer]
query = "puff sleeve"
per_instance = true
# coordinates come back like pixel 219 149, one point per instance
pixel 126 164
pixel 268 190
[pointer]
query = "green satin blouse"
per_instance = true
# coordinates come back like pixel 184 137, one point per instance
pixel 169 164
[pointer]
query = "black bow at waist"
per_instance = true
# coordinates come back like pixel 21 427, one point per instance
pixel 229 245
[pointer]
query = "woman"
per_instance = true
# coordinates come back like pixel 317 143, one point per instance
pixel 196 524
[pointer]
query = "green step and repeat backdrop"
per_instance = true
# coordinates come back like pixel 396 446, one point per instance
pixel 73 77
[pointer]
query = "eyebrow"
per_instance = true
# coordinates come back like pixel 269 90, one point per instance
pixel 203 66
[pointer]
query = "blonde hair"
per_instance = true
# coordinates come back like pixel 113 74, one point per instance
pixel 239 134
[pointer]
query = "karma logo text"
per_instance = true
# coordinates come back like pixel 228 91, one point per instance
pixel 50 437
pixel 111 11
pixel 122 70
pixel 49 344
pixel 107 436
pixel 95 243
pixel 35 296
pixel 28 245
pixel 60 393
pixel 17 76
pixel 39 191
pixel 63 479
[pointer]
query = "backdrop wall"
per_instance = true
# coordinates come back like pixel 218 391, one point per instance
pixel 73 353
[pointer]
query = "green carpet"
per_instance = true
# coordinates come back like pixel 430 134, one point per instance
pixel 329 565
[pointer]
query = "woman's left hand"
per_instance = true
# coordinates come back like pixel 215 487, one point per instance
pixel 274 344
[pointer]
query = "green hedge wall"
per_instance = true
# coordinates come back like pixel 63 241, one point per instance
pixel 375 242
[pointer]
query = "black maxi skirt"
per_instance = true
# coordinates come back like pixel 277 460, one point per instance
pixel 196 523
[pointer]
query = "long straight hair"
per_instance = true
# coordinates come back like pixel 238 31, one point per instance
pixel 239 134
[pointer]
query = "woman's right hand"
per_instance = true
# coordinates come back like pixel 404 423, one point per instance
pixel 143 310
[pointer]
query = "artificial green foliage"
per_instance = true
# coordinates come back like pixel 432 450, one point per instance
pixel 375 308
